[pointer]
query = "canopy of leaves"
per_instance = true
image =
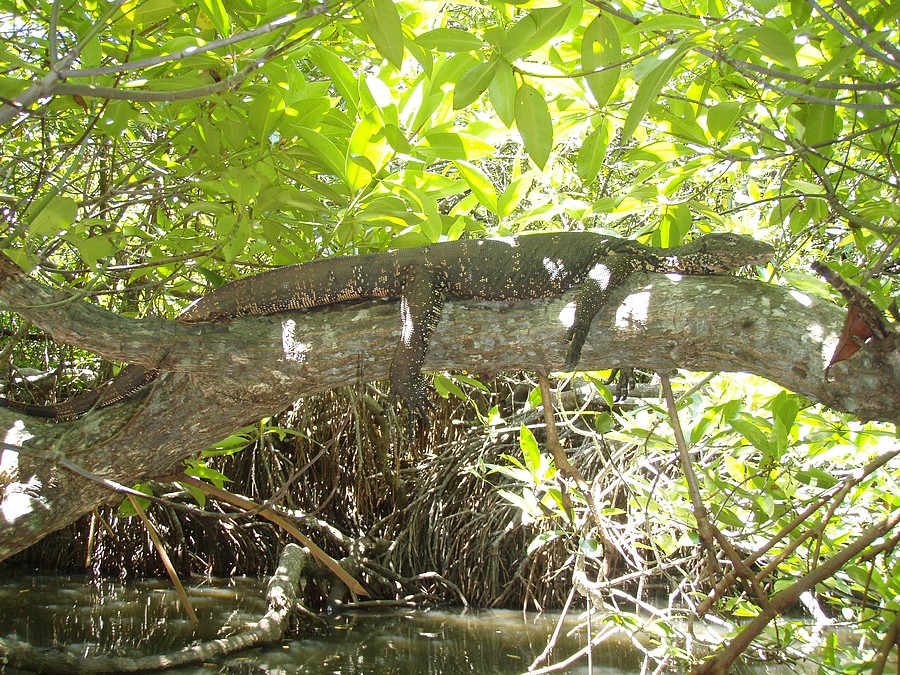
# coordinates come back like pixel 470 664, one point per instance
pixel 182 146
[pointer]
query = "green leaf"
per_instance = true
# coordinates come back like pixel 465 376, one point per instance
pixel 397 139
pixel 149 12
pixel 785 407
pixel 424 57
pixel 366 152
pixel 736 468
pixel 674 224
pixel 808 283
pixel 472 84
pixel 10 87
pixel 656 71
pixel 233 233
pixel 339 73
pixel 758 438
pixel 446 386
pixel 286 198
pixel 116 117
pixel 451 40
pixel 476 147
pixel 514 194
pixel 519 502
pixel 816 477
pixel 590 547
pixel 443 145
pixel 229 446
pixel 199 469
pixel 451 71
pixel 774 45
pixel 534 124
pixel 263 116
pixel 720 119
pixel 92 248
pixel 327 153
pixel 543 538
pixel 198 494
pixel 55 215
pixel 472 382
pixel 382 23
pixel 451 145
pixel 239 186
pixel 819 122
pixel 215 10
pixel 91 54
pixel 805 187
pixel 593 152
pixel 530 450
pixel 502 92
pixel 599 49
pixel 480 184
pixel 800 12
pixel 533 31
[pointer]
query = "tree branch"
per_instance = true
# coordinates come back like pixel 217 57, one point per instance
pixel 226 375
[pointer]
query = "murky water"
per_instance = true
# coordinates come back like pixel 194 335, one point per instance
pixel 144 617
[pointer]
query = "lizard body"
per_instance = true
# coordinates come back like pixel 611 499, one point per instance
pixel 525 266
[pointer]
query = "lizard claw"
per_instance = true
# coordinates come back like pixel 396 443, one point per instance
pixel 414 397
pixel 624 378
pixel 575 339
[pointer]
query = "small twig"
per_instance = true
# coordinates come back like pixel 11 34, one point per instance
pixel 551 643
pixel 584 651
pixel 787 597
pixel 268 514
pixel 890 640
pixel 115 93
pixel 449 584
pixel 704 528
pixel 855 39
pixel 553 444
pixel 195 50
pixel 166 561
pixel 837 495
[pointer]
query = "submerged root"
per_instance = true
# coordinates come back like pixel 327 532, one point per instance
pixel 282 600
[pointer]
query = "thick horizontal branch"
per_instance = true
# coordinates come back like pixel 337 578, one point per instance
pixel 231 374
pixel 68 319
pixel 652 321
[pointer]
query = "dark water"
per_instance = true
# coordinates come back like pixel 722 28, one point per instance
pixel 139 618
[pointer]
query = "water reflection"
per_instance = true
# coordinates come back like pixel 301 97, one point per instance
pixel 144 617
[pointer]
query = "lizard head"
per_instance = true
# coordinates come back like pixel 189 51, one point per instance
pixel 719 253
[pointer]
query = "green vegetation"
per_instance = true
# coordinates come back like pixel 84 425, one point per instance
pixel 152 151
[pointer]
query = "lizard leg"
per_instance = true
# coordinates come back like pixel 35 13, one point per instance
pixel 420 311
pixel 594 291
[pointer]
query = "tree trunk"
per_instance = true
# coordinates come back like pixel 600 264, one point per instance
pixel 220 377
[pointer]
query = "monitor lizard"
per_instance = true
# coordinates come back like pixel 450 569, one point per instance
pixel 525 266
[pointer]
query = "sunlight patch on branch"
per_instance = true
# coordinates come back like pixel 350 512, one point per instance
pixel 634 310
pixel 292 348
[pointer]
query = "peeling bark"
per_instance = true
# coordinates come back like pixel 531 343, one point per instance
pixel 219 377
